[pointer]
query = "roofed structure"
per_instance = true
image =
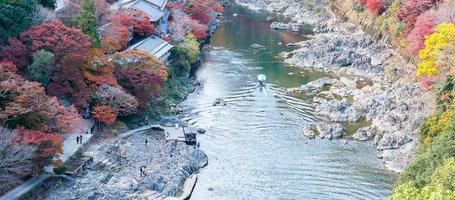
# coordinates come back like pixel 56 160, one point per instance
pixel 154 8
pixel 156 46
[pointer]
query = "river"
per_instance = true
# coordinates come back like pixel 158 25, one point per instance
pixel 255 146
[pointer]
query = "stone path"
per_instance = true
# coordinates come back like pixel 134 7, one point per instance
pixel 70 147
pixel 25 187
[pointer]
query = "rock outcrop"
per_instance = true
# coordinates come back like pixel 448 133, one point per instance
pixel 115 171
pixel 330 131
pixel 309 12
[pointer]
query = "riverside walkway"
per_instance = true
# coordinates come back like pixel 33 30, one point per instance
pixel 25 187
pixel 70 147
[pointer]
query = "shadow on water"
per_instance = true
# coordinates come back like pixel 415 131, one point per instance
pixel 254 143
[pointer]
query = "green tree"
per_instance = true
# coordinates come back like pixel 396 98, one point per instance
pixel 47 3
pixel 429 157
pixel 42 68
pixel 445 175
pixel 15 17
pixel 409 192
pixel 86 21
pixel 190 46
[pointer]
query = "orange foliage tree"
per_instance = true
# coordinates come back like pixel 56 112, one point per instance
pixel 98 70
pixel 140 73
pixel 105 114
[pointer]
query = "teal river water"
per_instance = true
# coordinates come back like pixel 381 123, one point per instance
pixel 255 146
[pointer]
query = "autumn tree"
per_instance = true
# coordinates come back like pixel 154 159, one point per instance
pixel 218 8
pixel 116 35
pixel 424 26
pixel 48 146
pixel 40 119
pixel 179 25
pixel 200 10
pixel 86 21
pixel 140 73
pixel 105 114
pixel 200 31
pixel 140 22
pixel 69 83
pixel 433 54
pixel 16 52
pixel 16 159
pixel 25 104
pixel 375 6
pixel 409 12
pixel 42 68
pixel 116 98
pixel 98 70
pixel 70 48
pixel 63 41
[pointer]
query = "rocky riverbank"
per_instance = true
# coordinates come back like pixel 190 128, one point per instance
pixel 310 12
pixel 372 83
pixel 115 174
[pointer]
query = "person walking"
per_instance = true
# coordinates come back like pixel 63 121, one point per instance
pixel 80 139
pixel 143 171
pixel 77 139
pixel 146 141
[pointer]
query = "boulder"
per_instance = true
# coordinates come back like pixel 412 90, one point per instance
pixel 365 133
pixel 280 26
pixel 309 130
pixel 330 130
pixel 219 101
pixel 200 130
pixel 257 46
pixel 393 141
pixel 337 110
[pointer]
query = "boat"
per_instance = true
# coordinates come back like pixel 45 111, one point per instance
pixel 262 79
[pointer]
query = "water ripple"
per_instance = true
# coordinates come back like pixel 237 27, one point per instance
pixel 255 146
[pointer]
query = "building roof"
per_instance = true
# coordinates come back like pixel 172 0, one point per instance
pixel 159 3
pixel 152 10
pixel 154 45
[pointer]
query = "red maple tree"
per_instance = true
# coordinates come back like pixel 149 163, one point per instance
pixel 62 41
pixel 424 26
pixel 409 12
pixel 375 6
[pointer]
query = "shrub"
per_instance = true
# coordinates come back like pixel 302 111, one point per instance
pixel 60 170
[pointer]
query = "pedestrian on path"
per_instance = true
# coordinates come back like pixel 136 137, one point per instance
pixel 146 141
pixel 80 139
pixel 77 139
pixel 142 169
